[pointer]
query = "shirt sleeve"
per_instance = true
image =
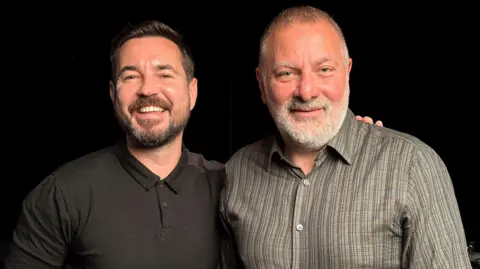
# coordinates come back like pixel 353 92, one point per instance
pixel 434 236
pixel 229 255
pixel 43 231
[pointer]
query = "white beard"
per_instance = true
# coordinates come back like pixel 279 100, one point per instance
pixel 311 134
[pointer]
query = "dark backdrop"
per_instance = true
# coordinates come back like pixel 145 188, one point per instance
pixel 413 69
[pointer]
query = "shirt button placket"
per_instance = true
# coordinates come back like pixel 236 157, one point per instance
pixel 298 228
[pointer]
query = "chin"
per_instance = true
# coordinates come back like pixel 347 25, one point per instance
pixel 308 126
pixel 153 132
pixel 151 126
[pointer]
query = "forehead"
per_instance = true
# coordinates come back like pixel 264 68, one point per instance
pixel 149 51
pixel 299 41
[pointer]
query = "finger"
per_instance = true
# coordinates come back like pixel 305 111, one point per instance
pixel 379 123
pixel 368 120
pixel 359 118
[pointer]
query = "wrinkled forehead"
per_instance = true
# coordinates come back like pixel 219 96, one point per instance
pixel 304 40
pixel 149 53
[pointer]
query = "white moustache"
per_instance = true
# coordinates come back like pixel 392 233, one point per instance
pixel 312 105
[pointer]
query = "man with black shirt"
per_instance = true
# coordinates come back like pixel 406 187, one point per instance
pixel 145 203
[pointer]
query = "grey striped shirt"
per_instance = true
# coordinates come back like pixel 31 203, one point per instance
pixel 377 198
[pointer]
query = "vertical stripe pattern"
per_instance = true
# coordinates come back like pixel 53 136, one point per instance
pixel 377 198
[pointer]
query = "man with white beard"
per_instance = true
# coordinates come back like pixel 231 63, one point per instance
pixel 328 191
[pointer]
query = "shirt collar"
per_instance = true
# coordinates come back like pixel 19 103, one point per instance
pixel 343 143
pixel 146 178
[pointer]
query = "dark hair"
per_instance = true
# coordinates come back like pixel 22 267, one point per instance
pixel 151 29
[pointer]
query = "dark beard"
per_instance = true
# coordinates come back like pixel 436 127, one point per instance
pixel 148 139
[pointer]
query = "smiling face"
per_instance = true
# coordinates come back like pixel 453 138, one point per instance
pixel 152 96
pixel 304 82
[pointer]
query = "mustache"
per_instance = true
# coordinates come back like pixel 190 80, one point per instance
pixel 149 101
pixel 317 103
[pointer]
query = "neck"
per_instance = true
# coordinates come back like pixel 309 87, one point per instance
pixel 298 156
pixel 162 160
pixel 305 160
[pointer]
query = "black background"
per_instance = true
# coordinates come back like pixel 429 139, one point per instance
pixel 413 68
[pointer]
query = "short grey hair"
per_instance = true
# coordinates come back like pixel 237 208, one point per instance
pixel 300 14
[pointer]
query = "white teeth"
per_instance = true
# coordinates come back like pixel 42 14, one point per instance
pixel 151 109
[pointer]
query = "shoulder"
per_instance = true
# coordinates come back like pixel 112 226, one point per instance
pixel 403 145
pixel 70 178
pixel 403 153
pixel 87 167
pixel 210 170
pixel 198 161
pixel 256 153
pixel 75 179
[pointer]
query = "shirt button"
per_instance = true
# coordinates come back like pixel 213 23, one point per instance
pixel 299 227
pixel 164 204
pixel 306 182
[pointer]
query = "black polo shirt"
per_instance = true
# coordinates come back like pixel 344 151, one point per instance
pixel 106 210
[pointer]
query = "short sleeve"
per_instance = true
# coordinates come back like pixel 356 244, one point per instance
pixel 43 232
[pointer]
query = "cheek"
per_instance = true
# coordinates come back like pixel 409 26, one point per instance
pixel 279 93
pixel 336 91
pixel 337 95
pixel 179 95
pixel 176 96
pixel 124 98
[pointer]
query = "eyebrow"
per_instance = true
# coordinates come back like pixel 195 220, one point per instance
pixel 159 67
pixel 289 65
pixel 127 68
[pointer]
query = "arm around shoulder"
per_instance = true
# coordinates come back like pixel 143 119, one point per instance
pixel 43 231
pixel 434 236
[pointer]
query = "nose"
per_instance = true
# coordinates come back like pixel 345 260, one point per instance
pixel 306 88
pixel 148 87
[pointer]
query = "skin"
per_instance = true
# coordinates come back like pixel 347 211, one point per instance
pixel 369 120
pixel 150 74
pixel 304 81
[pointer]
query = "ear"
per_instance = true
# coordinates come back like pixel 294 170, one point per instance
pixel 113 92
pixel 193 92
pixel 349 67
pixel 261 85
